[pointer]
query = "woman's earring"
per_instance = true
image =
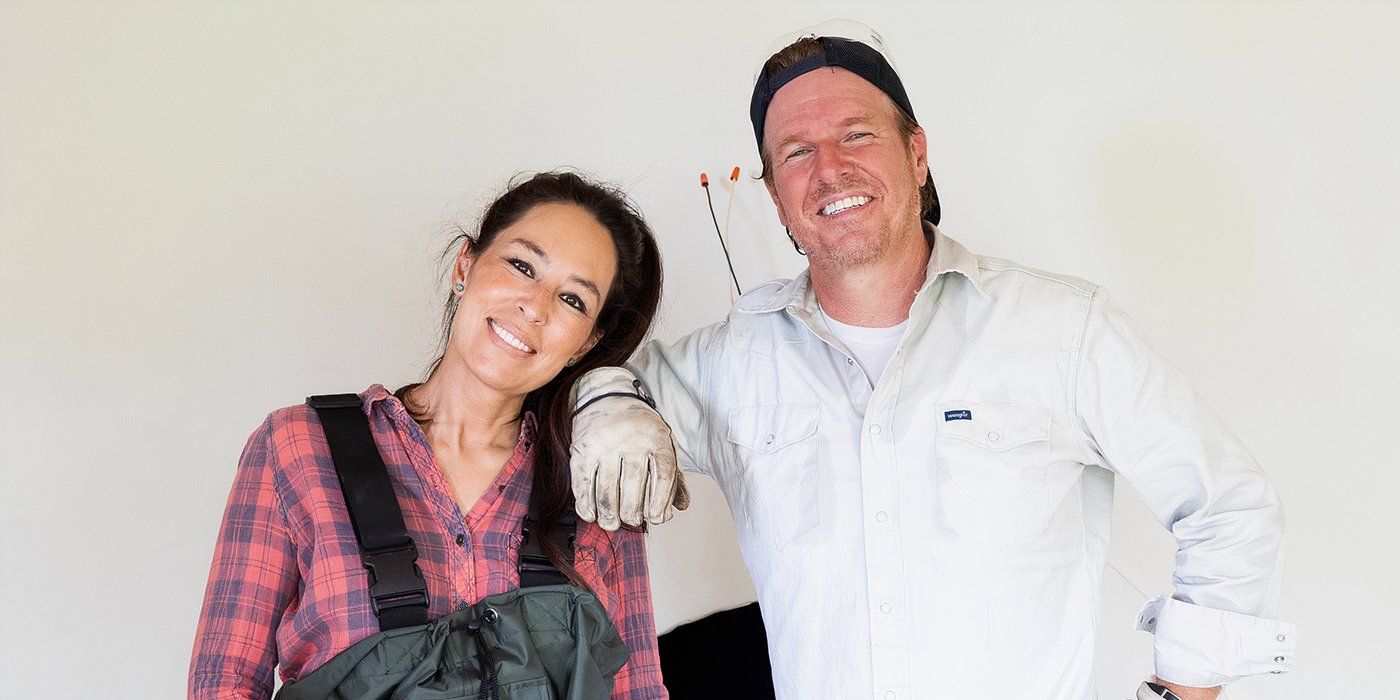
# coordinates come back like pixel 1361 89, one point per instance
pixel 459 288
pixel 571 362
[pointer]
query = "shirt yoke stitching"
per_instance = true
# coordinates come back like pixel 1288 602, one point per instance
pixel 1084 288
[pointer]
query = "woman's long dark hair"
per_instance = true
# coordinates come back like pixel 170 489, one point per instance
pixel 625 319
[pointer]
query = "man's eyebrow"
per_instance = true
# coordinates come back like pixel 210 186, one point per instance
pixel 785 142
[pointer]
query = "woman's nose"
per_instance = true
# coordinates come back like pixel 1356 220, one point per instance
pixel 533 305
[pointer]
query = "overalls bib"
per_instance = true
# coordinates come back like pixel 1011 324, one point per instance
pixel 545 640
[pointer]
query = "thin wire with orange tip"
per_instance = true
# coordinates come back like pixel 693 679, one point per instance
pixel 705 185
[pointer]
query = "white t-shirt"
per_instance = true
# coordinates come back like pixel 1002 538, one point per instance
pixel 871 347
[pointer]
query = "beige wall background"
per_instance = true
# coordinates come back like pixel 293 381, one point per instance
pixel 212 210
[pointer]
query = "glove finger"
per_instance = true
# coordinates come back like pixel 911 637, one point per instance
pixel 582 473
pixel 661 484
pixel 605 493
pixel 682 498
pixel 633 488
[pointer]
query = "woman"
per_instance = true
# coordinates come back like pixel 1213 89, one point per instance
pixel 563 276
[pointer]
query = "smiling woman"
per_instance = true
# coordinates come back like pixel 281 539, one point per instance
pixel 475 458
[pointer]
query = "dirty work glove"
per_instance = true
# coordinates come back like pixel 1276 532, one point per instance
pixel 622 459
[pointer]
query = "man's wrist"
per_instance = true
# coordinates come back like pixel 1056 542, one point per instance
pixel 601 380
pixel 1183 692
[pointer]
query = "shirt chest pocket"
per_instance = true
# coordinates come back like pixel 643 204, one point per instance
pixel 776 448
pixel 993 461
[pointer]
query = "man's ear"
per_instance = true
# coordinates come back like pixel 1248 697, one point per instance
pixel 918 143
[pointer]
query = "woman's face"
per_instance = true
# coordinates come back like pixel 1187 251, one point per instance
pixel 531 299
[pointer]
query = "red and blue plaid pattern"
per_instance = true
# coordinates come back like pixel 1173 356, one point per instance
pixel 287 588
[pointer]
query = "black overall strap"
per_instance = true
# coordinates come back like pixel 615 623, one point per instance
pixel 535 567
pixel 397 589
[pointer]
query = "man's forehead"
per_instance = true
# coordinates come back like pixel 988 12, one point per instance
pixel 828 97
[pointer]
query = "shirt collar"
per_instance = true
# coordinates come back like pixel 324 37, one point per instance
pixel 948 256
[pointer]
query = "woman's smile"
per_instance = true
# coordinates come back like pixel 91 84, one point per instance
pixel 509 338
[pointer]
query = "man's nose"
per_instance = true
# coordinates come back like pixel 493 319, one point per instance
pixel 832 164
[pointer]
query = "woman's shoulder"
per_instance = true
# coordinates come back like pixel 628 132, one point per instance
pixel 293 426
pixel 293 434
pixel 302 419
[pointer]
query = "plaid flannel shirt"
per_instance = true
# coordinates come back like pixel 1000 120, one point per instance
pixel 287 587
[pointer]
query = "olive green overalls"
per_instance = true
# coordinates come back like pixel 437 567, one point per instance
pixel 545 640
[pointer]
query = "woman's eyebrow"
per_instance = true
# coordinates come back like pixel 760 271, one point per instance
pixel 588 285
pixel 533 248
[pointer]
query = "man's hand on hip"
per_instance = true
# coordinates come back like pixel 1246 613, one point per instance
pixel 1184 692
pixel 622 458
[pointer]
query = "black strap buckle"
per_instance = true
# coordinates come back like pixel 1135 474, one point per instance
pixel 396 581
pixel 534 566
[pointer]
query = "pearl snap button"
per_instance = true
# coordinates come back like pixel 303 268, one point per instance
pixel 993 436
pixel 769 439
pixel 886 608
pixel 882 516
pixel 1278 659
pixel 890 695
pixel 874 430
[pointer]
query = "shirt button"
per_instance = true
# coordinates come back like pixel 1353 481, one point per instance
pixel 1278 659
pixel 1281 638
pixel 461 538
pixel 875 429
pixel 769 439
pixel 882 516
pixel 890 695
pixel 993 436
pixel 886 608
pixel 849 361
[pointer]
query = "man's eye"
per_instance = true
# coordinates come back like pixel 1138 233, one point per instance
pixel 574 301
pixel 522 266
pixel 797 152
pixel 857 135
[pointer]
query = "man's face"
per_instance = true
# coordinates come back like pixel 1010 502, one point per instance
pixel 845 181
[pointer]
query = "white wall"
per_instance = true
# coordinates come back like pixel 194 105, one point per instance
pixel 209 211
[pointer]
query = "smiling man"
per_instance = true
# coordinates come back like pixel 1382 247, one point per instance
pixel 919 444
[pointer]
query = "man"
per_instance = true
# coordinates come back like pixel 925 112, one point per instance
pixel 919 445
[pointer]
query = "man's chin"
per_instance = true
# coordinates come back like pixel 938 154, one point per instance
pixel 840 257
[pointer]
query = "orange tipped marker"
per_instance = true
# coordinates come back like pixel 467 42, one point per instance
pixel 734 176
pixel 704 180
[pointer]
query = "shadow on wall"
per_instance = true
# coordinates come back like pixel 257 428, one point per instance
pixel 1176 209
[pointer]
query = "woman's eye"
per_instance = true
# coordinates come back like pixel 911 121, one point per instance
pixel 574 301
pixel 522 266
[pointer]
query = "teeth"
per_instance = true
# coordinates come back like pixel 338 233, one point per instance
pixel 510 339
pixel 844 204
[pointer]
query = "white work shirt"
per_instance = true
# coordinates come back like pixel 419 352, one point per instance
pixel 871 348
pixel 944 533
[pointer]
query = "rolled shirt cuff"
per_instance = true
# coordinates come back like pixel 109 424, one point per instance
pixel 1204 647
